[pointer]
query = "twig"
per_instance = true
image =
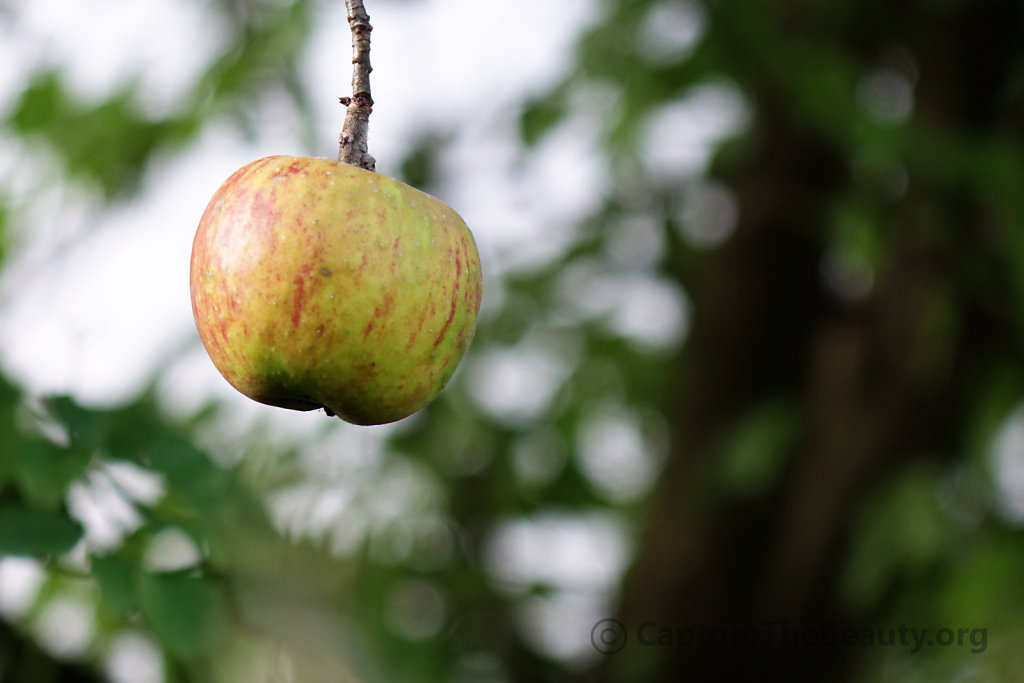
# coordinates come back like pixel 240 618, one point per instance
pixel 352 145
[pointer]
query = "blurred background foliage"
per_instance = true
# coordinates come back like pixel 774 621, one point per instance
pixel 778 382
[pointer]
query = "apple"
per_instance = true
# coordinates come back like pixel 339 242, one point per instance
pixel 318 284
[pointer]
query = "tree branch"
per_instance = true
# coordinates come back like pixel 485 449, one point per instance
pixel 352 145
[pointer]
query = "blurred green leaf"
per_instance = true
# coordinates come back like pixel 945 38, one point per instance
pixel 186 612
pixel 190 473
pixel 539 116
pixel 900 534
pixel 117 579
pixel 25 531
pixel 85 427
pixel 755 452
pixel 419 167
pixel 44 470
pixel 263 53
pixel 107 143
pixel 984 588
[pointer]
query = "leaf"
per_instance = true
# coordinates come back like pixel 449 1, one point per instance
pixel 186 612
pixel 85 427
pixel 116 579
pixel 540 116
pixel 754 455
pixel 419 167
pixel 59 448
pixel 190 473
pixel 901 532
pixel 41 103
pixel 25 531
pixel 44 470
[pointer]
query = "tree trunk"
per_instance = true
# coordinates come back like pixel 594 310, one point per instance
pixel 727 583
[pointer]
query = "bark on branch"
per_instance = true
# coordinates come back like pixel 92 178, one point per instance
pixel 352 145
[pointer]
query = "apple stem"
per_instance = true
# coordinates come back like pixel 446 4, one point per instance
pixel 352 145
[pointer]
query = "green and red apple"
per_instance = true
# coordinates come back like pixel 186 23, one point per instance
pixel 318 284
